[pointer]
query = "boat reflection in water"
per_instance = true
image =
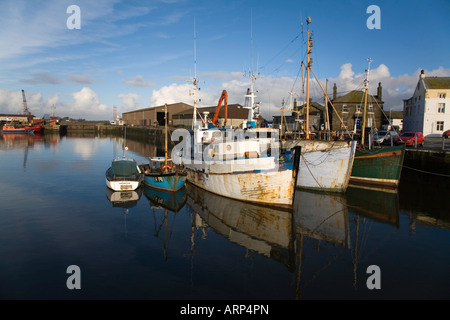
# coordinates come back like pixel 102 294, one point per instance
pixel 327 230
pixel 124 199
pixel 163 203
pixel 261 229
pixel 172 201
pixel 320 219
pixel 378 204
pixel 322 216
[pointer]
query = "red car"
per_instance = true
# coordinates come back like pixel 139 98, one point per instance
pixel 446 134
pixel 409 138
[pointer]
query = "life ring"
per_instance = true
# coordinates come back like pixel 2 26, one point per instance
pixel 168 167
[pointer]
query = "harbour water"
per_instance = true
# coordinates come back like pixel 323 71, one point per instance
pixel 56 212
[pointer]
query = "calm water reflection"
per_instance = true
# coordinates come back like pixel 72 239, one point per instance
pixel 56 211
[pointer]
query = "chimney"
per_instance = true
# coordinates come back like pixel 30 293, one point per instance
pixel 422 74
pixel 379 91
pixel 334 91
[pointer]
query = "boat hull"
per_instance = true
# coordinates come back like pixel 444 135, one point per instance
pixel 275 188
pixel 37 129
pixel 122 183
pixel 172 181
pixel 378 167
pixel 325 165
pixel 17 130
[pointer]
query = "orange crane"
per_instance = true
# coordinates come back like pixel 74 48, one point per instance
pixel 224 98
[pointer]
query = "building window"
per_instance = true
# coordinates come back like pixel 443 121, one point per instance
pixel 442 95
pixel 441 107
pixel 358 108
pixel 440 126
pixel 345 121
pixel 344 108
pixel 370 108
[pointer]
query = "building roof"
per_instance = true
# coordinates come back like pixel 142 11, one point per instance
pixel 354 96
pixel 436 82
pixel 234 111
pixel 313 107
pixel 159 107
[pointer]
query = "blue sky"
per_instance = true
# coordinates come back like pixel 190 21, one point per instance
pixel 135 54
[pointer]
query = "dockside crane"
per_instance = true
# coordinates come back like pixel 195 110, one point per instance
pixel 25 110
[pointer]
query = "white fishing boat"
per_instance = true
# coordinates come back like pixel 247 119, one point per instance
pixel 124 173
pixel 242 163
pixel 325 165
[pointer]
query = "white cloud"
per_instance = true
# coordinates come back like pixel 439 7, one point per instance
pixel 346 72
pixel 129 100
pixel 87 105
pixel 181 93
pixel 10 101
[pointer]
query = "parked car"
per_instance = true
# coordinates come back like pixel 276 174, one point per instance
pixel 384 137
pixel 412 138
pixel 446 134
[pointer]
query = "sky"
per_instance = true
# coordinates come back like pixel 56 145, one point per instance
pixel 132 54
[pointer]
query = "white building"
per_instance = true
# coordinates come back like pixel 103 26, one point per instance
pixel 428 110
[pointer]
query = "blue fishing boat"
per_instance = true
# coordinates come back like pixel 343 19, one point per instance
pixel 161 173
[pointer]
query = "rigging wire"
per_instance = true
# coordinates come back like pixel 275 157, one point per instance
pixel 281 51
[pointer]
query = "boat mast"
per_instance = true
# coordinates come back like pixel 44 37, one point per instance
pixel 250 96
pixel 194 121
pixel 194 81
pixel 366 89
pixel 124 147
pixel 165 140
pixel 308 67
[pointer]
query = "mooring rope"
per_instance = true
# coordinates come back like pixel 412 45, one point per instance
pixel 427 172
